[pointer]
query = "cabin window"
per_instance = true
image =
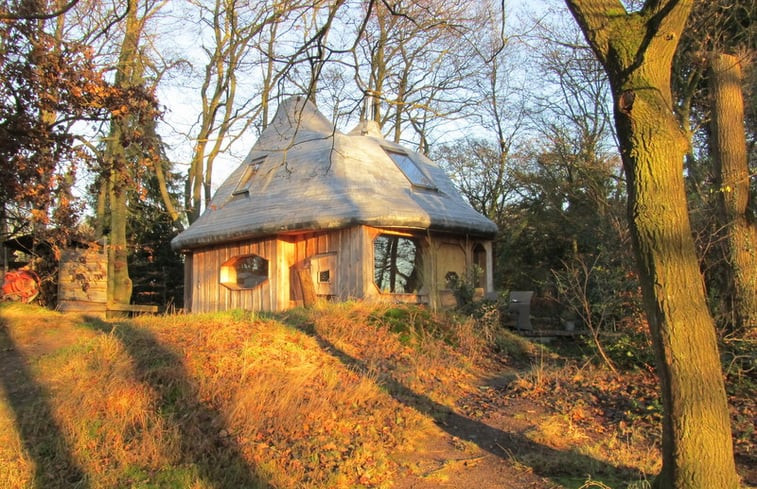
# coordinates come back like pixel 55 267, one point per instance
pixel 324 277
pixel 411 169
pixel 396 264
pixel 243 187
pixel 244 272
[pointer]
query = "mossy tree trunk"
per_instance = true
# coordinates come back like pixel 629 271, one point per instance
pixel 636 50
pixel 728 143
pixel 118 178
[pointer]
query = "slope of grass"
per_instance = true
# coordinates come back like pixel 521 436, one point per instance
pixel 337 396
pixel 225 400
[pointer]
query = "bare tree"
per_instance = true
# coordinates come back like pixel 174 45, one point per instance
pixel 416 62
pixel 235 29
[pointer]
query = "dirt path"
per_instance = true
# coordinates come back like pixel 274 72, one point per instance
pixel 482 444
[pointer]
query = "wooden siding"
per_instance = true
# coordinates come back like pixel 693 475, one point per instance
pixel 351 249
pixel 347 245
pixel 188 282
pixel 208 295
pixel 283 253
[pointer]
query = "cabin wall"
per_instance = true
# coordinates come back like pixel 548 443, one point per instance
pixel 207 293
pixel 284 255
pixel 349 251
pixel 344 248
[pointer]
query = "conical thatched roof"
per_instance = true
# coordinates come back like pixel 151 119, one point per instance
pixel 303 174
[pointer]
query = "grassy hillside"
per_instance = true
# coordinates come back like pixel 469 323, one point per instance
pixel 339 396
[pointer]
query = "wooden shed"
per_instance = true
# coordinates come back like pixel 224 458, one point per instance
pixel 314 211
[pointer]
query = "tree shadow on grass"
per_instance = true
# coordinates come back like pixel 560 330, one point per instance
pixel 40 434
pixel 204 435
pixel 542 459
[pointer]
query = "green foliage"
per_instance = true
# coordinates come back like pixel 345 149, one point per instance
pixel 157 271
pixel 630 349
pixel 411 323
pixel 464 288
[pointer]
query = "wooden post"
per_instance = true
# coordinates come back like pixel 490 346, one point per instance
pixel 306 283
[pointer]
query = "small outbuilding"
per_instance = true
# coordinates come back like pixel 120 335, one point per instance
pixel 315 213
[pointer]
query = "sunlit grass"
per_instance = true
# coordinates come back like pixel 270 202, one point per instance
pixel 336 396
pixel 262 395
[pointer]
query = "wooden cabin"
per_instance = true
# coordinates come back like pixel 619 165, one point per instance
pixel 314 212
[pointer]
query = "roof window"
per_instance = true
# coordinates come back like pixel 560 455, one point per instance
pixel 410 169
pixel 243 187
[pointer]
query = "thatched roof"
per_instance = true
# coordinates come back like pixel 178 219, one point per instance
pixel 304 175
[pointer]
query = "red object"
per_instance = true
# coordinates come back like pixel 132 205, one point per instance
pixel 20 286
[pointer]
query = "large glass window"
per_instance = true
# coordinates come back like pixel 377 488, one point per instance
pixel 396 264
pixel 244 272
pixel 411 170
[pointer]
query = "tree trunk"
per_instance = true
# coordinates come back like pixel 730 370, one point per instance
pixel 119 176
pixel 119 282
pixel 728 144
pixel 636 51
pixel 695 417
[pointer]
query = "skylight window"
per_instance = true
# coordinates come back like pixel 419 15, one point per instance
pixel 243 187
pixel 411 170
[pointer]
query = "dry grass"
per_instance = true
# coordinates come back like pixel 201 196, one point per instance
pixel 303 400
pixel 337 396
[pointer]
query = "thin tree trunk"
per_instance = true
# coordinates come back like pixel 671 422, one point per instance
pixel 164 194
pixel 400 106
pixel 728 143
pixel 394 240
pixel 269 76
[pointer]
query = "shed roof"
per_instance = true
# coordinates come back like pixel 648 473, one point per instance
pixel 304 175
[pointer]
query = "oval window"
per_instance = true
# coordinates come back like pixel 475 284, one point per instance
pixel 244 272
